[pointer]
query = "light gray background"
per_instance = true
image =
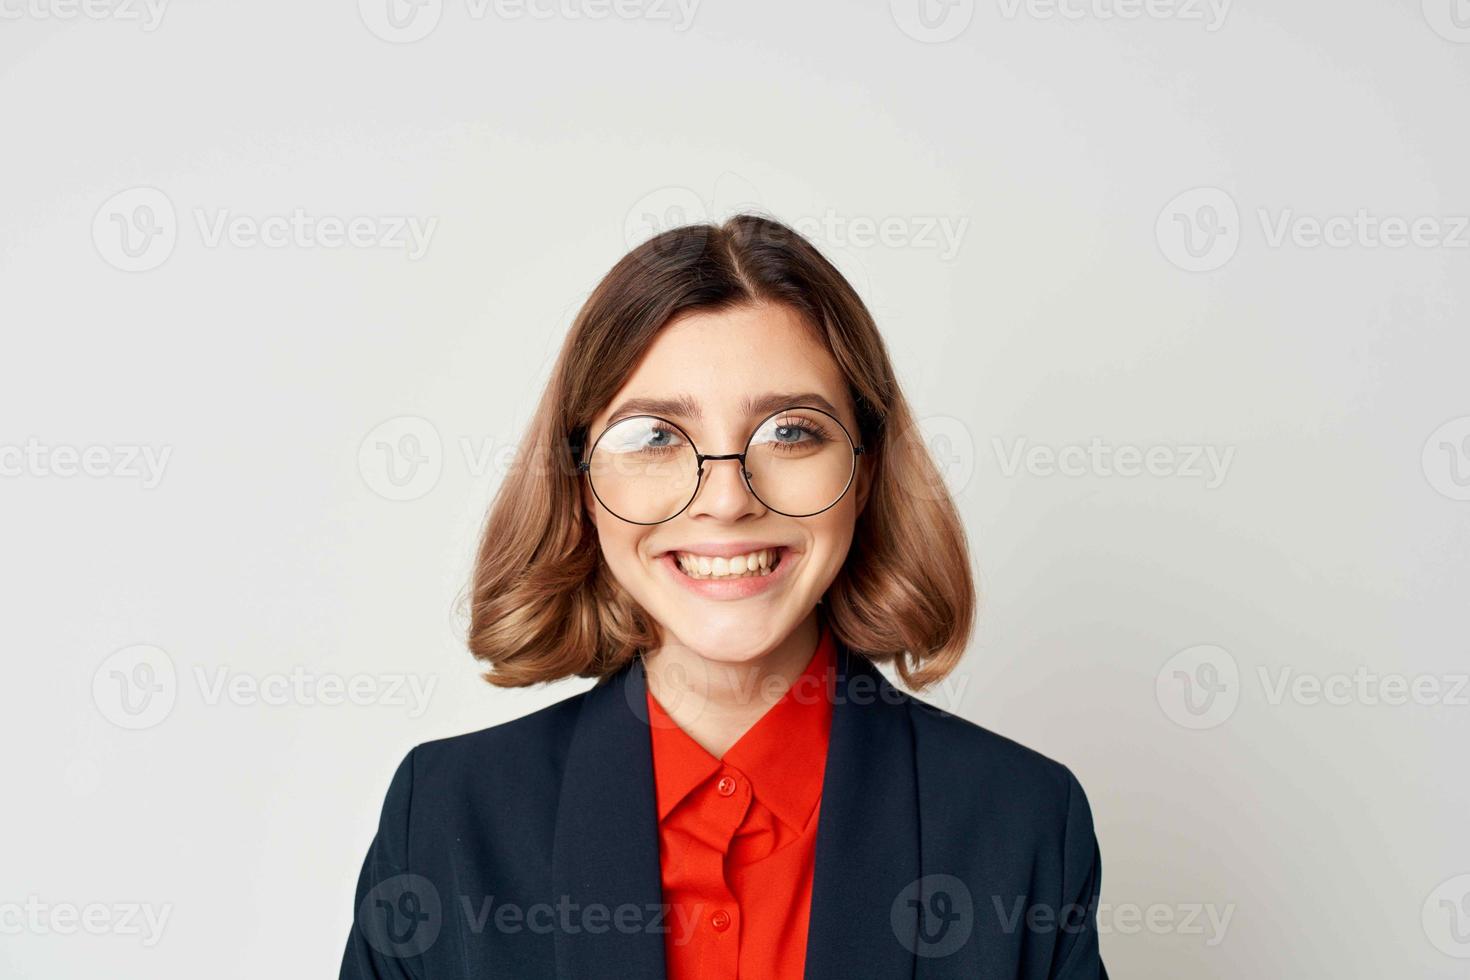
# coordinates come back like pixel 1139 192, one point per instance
pixel 332 417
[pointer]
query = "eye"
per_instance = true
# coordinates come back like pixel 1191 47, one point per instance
pixel 642 434
pixel 660 437
pixel 793 432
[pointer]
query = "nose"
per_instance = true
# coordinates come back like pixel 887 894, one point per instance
pixel 722 490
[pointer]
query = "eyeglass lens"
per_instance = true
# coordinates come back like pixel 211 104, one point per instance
pixel 645 469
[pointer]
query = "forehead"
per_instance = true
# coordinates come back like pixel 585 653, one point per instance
pixel 727 360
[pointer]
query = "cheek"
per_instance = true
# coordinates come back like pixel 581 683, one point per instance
pixel 831 538
pixel 620 544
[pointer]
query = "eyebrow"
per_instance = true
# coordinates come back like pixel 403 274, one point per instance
pixel 687 406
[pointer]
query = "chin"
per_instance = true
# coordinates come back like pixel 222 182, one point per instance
pixel 731 639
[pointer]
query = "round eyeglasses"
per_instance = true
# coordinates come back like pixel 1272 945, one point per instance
pixel 798 462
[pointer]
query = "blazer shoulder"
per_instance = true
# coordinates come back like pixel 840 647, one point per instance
pixel 1032 780
pixel 538 738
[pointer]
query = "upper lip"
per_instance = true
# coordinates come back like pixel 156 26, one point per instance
pixel 724 549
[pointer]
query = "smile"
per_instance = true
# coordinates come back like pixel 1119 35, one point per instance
pixel 751 564
pixel 729 576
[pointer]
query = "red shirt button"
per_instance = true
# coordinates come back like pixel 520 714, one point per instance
pixel 720 920
pixel 726 786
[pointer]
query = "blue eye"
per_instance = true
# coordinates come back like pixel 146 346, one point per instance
pixel 793 433
pixel 789 433
pixel 643 436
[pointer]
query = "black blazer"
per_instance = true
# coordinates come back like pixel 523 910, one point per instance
pixel 530 849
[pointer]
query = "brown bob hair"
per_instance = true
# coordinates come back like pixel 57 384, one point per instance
pixel 544 605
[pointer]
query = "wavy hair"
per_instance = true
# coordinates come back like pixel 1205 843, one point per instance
pixel 544 605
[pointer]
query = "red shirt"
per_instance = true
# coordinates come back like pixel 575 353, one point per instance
pixel 738 834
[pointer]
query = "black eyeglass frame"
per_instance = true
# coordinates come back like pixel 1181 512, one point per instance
pixel 585 465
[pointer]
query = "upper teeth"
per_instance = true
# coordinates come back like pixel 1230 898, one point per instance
pixel 703 566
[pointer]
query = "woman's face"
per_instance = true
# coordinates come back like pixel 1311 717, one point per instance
pixel 716 361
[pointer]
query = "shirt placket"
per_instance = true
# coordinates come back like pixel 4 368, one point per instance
pixel 726 800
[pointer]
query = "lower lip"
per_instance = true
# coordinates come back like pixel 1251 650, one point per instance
pixel 730 588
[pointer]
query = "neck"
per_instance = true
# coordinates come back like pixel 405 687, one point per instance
pixel 717 702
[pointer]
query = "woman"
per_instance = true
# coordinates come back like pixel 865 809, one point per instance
pixel 722 513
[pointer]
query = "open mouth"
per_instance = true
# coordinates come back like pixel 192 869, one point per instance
pixel 704 568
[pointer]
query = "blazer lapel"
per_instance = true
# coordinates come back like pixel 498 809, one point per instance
pixel 605 854
pixel 606 850
pixel 867 860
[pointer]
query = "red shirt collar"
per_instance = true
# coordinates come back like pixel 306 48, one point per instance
pixel 784 754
